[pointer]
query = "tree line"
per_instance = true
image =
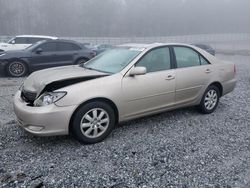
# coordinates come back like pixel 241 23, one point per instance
pixel 123 18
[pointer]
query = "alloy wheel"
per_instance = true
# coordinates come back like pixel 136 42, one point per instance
pixel 17 68
pixel 211 99
pixel 94 123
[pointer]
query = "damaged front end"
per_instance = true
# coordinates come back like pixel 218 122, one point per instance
pixel 49 95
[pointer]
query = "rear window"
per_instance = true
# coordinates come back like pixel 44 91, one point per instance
pixel 48 47
pixel 65 46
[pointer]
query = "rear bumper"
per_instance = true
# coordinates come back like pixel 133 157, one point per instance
pixel 229 86
pixel 43 121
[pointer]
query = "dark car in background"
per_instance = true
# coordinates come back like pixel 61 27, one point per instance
pixel 44 54
pixel 101 48
pixel 205 47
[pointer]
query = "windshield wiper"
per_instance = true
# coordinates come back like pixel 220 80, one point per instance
pixel 95 69
pixel 83 66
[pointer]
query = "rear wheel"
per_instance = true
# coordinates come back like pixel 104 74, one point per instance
pixel 93 122
pixel 210 100
pixel 17 68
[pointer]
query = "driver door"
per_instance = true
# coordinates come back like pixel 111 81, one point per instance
pixel 153 91
pixel 46 58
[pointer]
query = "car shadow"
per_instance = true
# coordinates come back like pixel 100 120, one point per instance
pixel 69 141
pixel 162 116
pixel 46 141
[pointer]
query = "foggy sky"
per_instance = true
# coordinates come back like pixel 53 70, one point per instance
pixel 123 18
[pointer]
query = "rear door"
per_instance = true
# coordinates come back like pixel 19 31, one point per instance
pixel 67 53
pixel 193 72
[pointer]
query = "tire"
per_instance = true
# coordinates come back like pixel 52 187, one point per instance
pixel 210 100
pixel 17 68
pixel 92 122
pixel 81 61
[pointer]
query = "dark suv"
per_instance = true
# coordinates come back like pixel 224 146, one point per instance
pixel 44 54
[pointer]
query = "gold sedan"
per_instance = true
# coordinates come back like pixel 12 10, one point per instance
pixel 124 83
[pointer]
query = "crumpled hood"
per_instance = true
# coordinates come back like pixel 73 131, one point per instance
pixel 37 81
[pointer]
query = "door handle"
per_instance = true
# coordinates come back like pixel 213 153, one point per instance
pixel 170 77
pixel 208 71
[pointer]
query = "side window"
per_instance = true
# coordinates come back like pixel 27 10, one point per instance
pixel 48 47
pixel 203 61
pixel 64 46
pixel 19 40
pixel 156 60
pixel 34 40
pixel 186 57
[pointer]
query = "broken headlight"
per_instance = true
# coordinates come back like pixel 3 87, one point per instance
pixel 48 98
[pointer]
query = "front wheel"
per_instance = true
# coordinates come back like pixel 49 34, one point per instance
pixel 17 69
pixel 93 122
pixel 210 100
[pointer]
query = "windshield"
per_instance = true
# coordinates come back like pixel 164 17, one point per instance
pixel 11 40
pixel 33 46
pixel 113 61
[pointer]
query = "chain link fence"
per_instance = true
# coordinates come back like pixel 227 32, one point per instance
pixel 226 42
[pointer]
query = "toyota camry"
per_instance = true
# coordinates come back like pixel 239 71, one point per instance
pixel 128 82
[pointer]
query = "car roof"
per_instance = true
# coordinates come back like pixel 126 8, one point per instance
pixel 141 47
pixel 152 45
pixel 65 40
pixel 38 36
pixel 199 44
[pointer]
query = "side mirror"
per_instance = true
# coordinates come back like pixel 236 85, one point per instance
pixel 39 50
pixel 13 42
pixel 137 71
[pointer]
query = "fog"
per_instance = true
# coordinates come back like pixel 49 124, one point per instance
pixel 123 18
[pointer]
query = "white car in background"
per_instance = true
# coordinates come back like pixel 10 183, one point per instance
pixel 21 42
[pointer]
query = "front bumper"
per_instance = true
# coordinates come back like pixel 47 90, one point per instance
pixel 48 120
pixel 2 67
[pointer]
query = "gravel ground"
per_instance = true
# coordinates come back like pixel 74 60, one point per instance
pixel 182 148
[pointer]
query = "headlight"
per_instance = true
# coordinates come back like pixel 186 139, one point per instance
pixel 49 98
pixel 2 54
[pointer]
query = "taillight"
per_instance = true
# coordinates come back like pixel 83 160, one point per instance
pixel 234 70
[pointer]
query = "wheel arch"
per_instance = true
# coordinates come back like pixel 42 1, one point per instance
pixel 219 86
pixel 100 99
